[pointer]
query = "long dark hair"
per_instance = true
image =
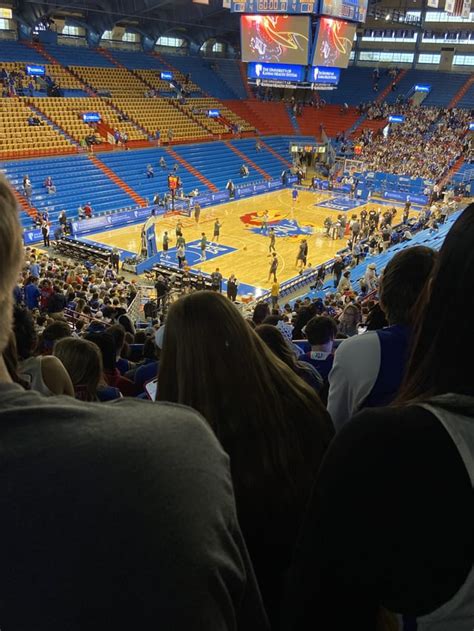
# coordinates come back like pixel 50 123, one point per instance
pixel 444 338
pixel 268 420
pixel 276 342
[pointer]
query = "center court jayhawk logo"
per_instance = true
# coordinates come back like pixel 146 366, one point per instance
pixel 283 227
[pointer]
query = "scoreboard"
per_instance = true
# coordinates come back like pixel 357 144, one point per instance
pixel 274 6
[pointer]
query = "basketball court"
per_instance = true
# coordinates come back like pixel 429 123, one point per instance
pixel 243 247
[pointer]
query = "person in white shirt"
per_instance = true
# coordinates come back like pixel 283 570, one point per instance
pixel 368 368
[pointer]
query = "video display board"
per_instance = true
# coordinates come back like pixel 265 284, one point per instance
pixel 275 38
pixel 355 10
pixel 333 44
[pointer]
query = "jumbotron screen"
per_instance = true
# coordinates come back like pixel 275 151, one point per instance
pixel 355 10
pixel 275 38
pixel 333 43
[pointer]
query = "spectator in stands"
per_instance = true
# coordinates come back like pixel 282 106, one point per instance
pixel 320 333
pixel 261 311
pixel 106 343
pixel 53 332
pixel 370 276
pixel 32 293
pixel 375 381
pixel 244 171
pixel 83 362
pixel 258 145
pixel 148 369
pixel 43 374
pixel 170 136
pixel 428 557
pixel 88 211
pixel 149 171
pixel 349 321
pixel 49 185
pixel 263 410
pixel 163 164
pixel 344 285
pixel 280 346
pixel 27 188
pixel 109 458
pixel 56 303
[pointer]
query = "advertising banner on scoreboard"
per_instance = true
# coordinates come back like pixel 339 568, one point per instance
pixel 355 10
pixel 275 72
pixel 281 39
pixel 324 76
pixel 333 44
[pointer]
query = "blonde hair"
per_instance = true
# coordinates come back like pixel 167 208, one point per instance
pixel 83 362
pixel 11 255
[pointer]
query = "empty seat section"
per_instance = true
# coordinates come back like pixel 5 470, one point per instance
pixel 67 113
pixel 467 100
pixel 131 168
pixel 17 136
pixel 198 107
pixel 16 51
pixel 77 181
pixel 218 163
pixel 202 74
pixel 263 158
pixel 229 71
pixel 157 114
pixel 118 82
pixel 78 56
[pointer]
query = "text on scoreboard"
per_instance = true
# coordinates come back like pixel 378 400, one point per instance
pixel 324 76
pixel 275 72
pixel 273 6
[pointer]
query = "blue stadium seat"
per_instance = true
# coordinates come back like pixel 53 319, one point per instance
pixel 202 75
pixel 16 51
pixel 131 166
pixel 77 181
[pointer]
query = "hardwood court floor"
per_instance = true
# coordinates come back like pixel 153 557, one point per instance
pixel 240 221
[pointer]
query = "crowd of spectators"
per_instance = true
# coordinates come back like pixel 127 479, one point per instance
pixel 260 488
pixel 426 144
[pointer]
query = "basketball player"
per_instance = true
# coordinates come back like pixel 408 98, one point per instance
pixel 273 268
pixel 294 195
pixel 203 246
pixel 179 229
pixel 166 245
pixel 272 236
pixel 264 224
pixel 302 254
pixel 197 212
pixel 217 231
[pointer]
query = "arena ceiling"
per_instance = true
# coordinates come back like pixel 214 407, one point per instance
pixel 195 22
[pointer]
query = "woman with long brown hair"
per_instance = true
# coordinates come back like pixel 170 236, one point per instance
pixel 271 424
pixel 391 523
